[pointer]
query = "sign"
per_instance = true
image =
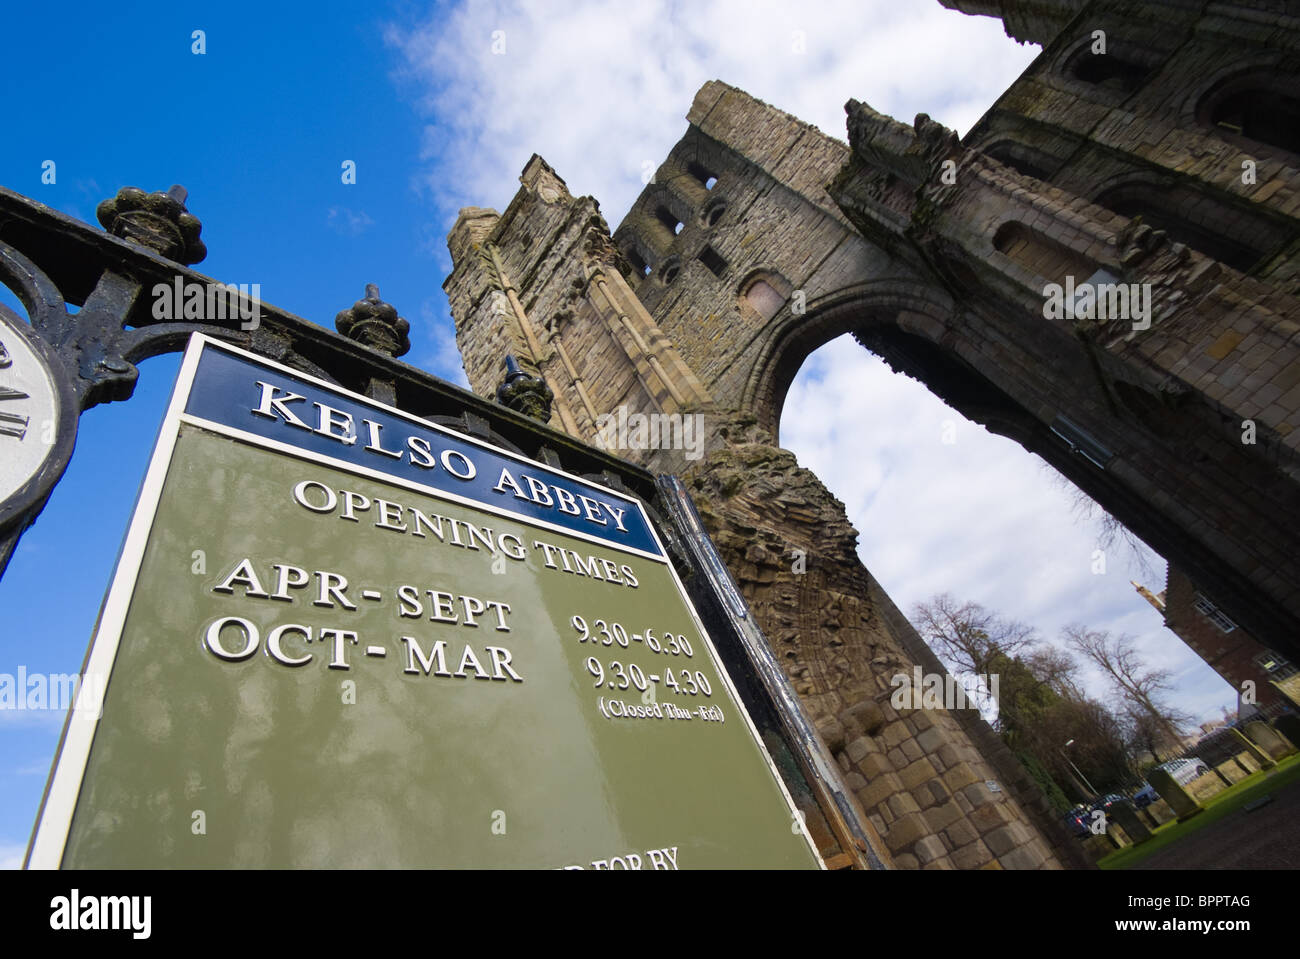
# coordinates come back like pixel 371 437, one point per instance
pixel 343 636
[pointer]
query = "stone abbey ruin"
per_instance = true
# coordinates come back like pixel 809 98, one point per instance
pixel 1165 166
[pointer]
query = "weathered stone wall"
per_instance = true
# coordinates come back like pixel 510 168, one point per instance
pixel 1127 161
pixel 1167 404
pixel 544 282
pixel 921 775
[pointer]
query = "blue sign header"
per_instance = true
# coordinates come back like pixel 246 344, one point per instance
pixel 256 398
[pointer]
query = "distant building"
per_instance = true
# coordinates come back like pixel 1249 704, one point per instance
pixel 1226 648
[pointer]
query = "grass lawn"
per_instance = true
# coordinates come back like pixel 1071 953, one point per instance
pixel 1229 801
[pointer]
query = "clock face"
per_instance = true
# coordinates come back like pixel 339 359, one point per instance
pixel 29 411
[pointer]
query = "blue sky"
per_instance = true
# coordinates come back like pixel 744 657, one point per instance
pixel 257 128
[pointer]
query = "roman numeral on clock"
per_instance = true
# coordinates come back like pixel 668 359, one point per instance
pixel 11 424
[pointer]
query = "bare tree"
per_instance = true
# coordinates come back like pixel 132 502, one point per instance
pixel 1057 669
pixel 1089 735
pixel 1044 715
pixel 1145 736
pixel 1140 686
pixel 969 636
pixel 1110 531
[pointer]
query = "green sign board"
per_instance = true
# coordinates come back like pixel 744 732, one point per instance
pixel 343 636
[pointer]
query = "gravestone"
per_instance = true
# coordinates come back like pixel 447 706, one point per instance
pixel 1179 799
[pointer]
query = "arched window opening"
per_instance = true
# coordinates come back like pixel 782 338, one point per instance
pixel 1040 254
pixel 763 298
pixel 664 216
pixel 1108 70
pixel 1019 158
pixel 713 260
pixel 713 213
pixel 1266 116
pixel 1235 238
pixel 701 173
pixel 638 262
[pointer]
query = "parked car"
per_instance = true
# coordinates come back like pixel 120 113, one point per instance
pixel 1077 821
pixel 1145 796
pixel 1185 770
pixel 1106 801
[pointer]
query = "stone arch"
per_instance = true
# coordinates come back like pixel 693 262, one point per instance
pixel 651 227
pixel 670 270
pixel 916 333
pixel 789 339
pixel 665 215
pixel 712 212
pixel 667 207
pixel 692 171
pixel 707 178
pixel 701 158
pixel 925 337
pixel 632 252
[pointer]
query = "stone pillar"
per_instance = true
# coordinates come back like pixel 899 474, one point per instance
pixel 928 788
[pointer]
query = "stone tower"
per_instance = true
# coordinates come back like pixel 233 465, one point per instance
pixel 1163 167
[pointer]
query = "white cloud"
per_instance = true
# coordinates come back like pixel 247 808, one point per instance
pixel 598 89
pixel 348 222
pixel 437 349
